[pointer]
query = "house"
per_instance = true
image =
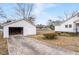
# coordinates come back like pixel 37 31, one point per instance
pixel 21 27
pixel 70 25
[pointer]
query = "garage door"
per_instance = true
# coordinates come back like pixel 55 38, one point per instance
pixel 15 30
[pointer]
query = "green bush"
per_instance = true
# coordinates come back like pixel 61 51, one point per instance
pixel 50 35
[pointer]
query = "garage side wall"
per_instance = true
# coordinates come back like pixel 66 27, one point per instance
pixel 5 32
pixel 29 31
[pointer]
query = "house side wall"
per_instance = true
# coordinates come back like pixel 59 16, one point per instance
pixel 28 29
pixel 62 27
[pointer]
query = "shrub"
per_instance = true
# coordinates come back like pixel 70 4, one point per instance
pixel 50 35
pixel 72 34
pixel 67 34
pixel 58 33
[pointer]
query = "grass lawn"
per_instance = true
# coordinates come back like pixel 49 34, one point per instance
pixel 3 46
pixel 67 42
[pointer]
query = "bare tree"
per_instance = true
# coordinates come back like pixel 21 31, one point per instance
pixel 50 24
pixel 2 14
pixel 31 20
pixel 66 15
pixel 74 12
pixel 24 10
pixel 60 17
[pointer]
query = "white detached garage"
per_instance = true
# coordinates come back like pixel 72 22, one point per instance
pixel 18 27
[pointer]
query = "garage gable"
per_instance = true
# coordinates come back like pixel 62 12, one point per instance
pixel 18 23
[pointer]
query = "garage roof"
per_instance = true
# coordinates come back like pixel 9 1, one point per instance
pixel 5 24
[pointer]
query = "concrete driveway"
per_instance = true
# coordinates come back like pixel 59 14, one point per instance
pixel 19 45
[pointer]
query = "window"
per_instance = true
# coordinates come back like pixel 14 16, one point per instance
pixel 66 26
pixel 70 26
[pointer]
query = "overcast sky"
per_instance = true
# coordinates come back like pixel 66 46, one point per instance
pixel 43 12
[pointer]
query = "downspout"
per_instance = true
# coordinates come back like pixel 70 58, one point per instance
pixel 76 32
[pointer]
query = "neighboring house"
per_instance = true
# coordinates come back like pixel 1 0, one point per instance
pixel 22 27
pixel 70 25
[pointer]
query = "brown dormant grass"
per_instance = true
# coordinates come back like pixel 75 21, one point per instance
pixel 3 45
pixel 68 42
